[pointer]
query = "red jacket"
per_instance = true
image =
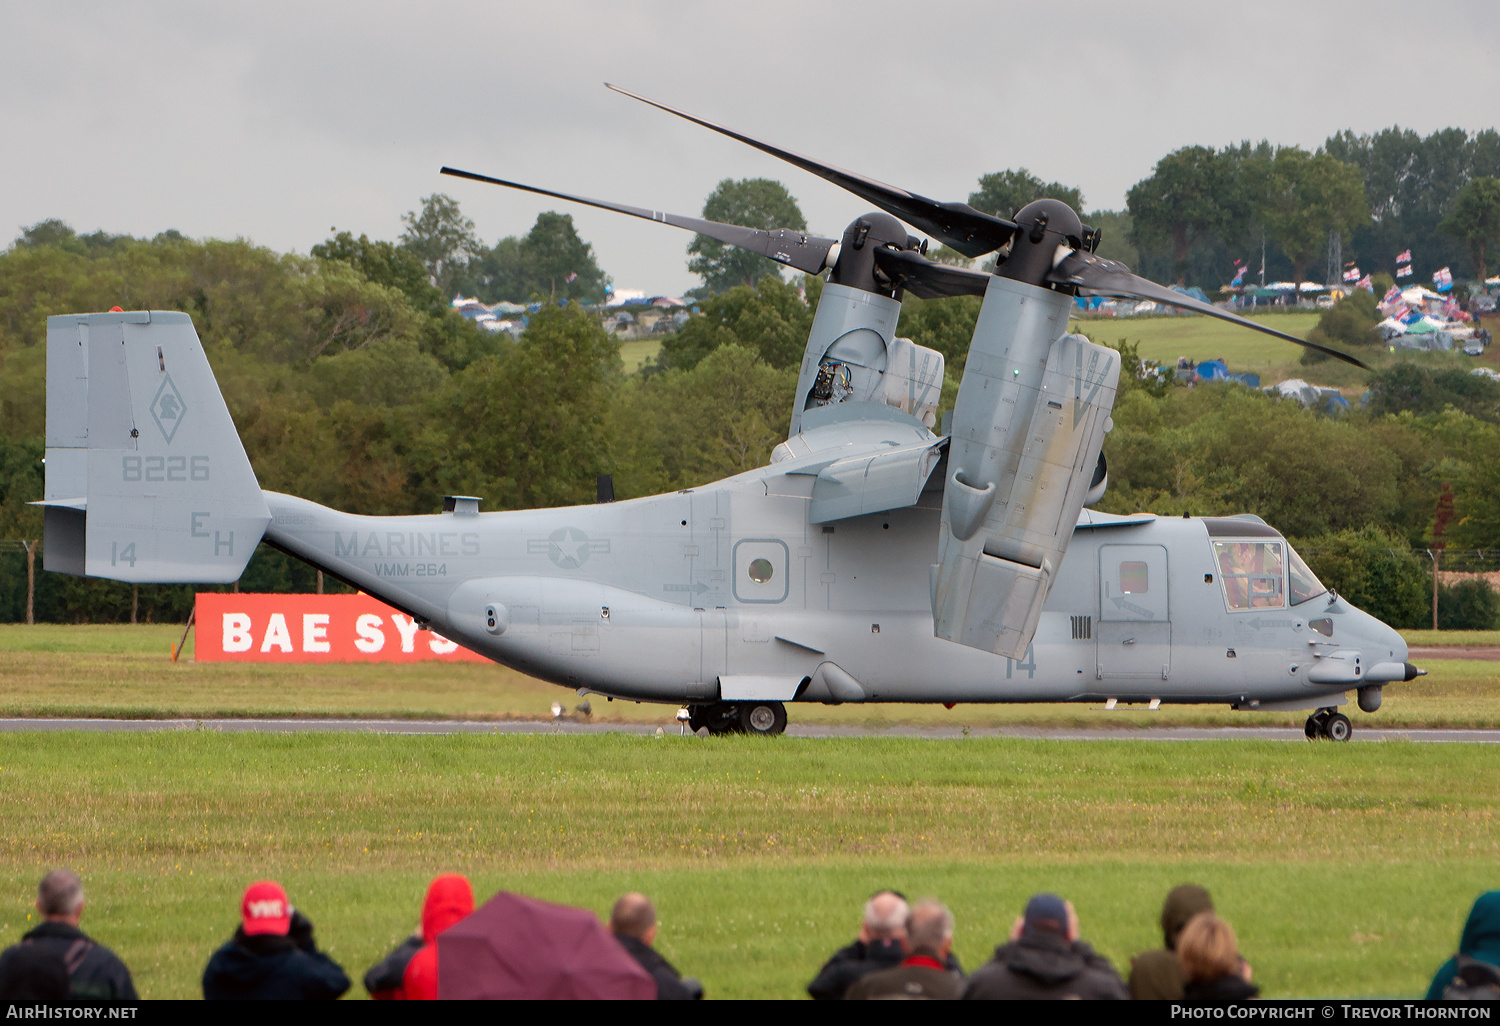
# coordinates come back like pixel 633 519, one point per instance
pixel 449 899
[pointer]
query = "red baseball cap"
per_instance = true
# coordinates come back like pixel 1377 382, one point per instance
pixel 265 909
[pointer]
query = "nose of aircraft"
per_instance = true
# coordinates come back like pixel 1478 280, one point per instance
pixel 1383 650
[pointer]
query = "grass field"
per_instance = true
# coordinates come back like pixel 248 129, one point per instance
pixel 1346 870
pixel 1164 339
pixel 635 352
pixel 124 671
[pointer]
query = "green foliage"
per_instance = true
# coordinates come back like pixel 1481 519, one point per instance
pixel 1376 571
pixel 1407 386
pixel 1193 193
pixel 1411 183
pixel 20 483
pixel 946 325
pixel 1475 220
pixel 1469 605
pixel 537 266
pixel 1005 192
pixel 770 319
pixel 1223 449
pixel 751 203
pixel 526 428
pixel 1302 197
pixel 1348 324
pixel 384 263
pixel 687 427
pixel 442 238
pixel 1115 227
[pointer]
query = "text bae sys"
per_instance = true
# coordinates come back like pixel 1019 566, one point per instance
pixel 254 628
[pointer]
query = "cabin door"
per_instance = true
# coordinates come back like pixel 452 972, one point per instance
pixel 1135 624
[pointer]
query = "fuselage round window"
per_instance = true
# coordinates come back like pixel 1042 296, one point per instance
pixel 761 570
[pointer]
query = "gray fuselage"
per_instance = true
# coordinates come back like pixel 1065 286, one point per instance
pixel 662 598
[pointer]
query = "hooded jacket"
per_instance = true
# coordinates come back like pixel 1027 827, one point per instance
pixel 1480 940
pixel 449 899
pixel 1157 975
pixel 94 973
pixel 272 968
pixel 1044 965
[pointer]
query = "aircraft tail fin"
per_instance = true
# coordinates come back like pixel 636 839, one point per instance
pixel 146 478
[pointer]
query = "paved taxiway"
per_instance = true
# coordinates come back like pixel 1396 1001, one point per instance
pixel 793 730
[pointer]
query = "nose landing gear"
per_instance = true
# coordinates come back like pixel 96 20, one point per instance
pixel 1328 723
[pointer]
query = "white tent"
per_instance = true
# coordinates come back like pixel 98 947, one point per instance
pixel 1416 295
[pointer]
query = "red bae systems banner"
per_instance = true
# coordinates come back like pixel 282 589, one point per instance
pixel 251 628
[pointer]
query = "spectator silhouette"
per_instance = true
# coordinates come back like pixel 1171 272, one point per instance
pixel 57 961
pixel 1478 947
pixel 272 955
pixel 881 945
pixel 1157 975
pixel 449 899
pixel 1045 959
pixel 633 922
pixel 1212 969
pixel 924 973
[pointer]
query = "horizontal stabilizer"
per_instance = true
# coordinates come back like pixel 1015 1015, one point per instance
pixel 146 478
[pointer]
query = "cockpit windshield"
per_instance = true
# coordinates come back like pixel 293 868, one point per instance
pixel 1304 583
pixel 1251 573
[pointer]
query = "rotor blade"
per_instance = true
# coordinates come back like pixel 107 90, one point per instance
pixel 958 225
pixel 927 279
pixel 1095 276
pixel 784 245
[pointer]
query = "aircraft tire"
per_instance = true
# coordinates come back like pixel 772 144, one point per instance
pixel 764 718
pixel 717 717
pixel 1313 729
pixel 1337 727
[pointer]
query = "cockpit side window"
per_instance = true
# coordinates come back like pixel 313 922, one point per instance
pixel 1304 583
pixel 1251 573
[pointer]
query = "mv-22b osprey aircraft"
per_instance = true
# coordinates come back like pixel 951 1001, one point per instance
pixel 871 561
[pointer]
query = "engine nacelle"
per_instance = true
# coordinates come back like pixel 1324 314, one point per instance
pixel 1028 428
pixel 853 354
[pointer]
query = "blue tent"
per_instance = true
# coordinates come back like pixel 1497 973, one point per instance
pixel 1212 370
pixel 1195 293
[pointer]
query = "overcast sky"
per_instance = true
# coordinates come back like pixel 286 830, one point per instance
pixel 279 121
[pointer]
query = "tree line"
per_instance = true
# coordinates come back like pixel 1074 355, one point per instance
pixel 354 384
pixel 1200 213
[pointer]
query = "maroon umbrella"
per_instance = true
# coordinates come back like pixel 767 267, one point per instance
pixel 518 947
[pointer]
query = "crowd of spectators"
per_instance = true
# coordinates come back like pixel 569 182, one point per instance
pixel 902 951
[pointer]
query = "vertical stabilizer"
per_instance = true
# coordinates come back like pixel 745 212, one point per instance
pixel 146 478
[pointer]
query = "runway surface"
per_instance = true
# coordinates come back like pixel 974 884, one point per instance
pixel 794 730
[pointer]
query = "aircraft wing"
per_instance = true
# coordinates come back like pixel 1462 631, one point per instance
pixel 857 458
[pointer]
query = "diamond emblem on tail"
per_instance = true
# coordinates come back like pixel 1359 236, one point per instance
pixel 168 409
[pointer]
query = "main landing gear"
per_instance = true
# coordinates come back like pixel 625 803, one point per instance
pixel 1329 723
pixel 765 718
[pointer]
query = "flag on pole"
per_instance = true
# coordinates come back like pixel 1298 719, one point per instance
pixel 1443 279
pixel 1352 274
pixel 1239 276
pixel 1391 296
pixel 1366 284
pixel 1404 258
pixel 1404 272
